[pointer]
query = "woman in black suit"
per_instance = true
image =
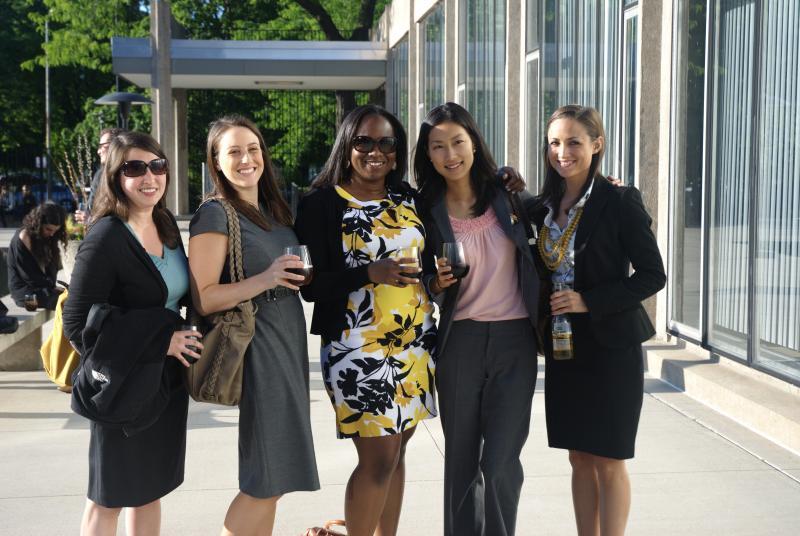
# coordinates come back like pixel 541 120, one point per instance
pixel 590 233
pixel 133 258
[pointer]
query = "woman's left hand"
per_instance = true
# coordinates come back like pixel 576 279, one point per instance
pixel 512 180
pixel 567 301
pixel 179 345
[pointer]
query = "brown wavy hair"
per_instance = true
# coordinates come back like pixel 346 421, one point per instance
pixel 45 249
pixel 268 191
pixel 111 199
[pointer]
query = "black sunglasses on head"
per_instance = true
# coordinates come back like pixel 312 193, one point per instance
pixel 365 144
pixel 137 168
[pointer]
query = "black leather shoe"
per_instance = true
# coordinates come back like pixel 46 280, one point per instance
pixel 8 324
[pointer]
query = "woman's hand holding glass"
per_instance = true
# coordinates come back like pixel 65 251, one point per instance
pixel 185 342
pixel 451 266
pixel 279 274
pixel 390 271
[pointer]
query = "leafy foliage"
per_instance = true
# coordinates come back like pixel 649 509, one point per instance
pixel 299 126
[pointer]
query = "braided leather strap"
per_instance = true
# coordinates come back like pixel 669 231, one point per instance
pixel 236 274
pixel 234 242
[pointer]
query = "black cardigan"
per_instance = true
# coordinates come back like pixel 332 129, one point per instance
pixel 319 226
pixel 26 277
pixel 613 235
pixel 111 267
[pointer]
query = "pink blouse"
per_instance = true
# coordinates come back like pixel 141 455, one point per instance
pixel 490 291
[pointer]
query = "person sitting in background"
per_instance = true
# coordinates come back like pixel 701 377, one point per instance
pixel 34 257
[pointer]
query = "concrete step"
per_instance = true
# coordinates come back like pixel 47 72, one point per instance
pixel 764 404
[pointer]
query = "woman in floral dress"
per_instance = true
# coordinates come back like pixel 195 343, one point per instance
pixel 376 322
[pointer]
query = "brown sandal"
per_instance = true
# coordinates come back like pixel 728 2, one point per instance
pixel 326 530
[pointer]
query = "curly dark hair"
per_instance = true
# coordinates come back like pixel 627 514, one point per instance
pixel 45 249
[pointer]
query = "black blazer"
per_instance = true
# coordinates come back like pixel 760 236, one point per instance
pixel 121 382
pixel 318 225
pixel 613 235
pixel 111 267
pixel 440 231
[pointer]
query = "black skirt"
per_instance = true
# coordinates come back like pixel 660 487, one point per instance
pixel 134 471
pixel 593 403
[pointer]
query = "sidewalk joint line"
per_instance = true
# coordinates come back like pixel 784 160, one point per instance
pixel 723 436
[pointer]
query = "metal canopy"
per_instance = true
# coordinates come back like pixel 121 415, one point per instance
pixel 198 64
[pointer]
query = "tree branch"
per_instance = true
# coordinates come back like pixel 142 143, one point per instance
pixel 315 9
pixel 365 17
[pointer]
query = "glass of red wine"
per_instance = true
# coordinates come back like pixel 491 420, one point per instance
pixel 411 269
pixel 454 253
pixel 307 270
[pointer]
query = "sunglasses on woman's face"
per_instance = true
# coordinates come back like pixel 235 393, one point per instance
pixel 365 144
pixel 137 168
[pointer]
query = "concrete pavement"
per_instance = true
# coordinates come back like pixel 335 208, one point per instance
pixel 696 472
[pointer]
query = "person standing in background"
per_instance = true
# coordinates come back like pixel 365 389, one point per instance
pixel 106 135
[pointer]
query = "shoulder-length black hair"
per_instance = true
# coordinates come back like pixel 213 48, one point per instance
pixel 430 183
pixel 111 199
pixel 554 187
pixel 269 192
pixel 338 170
pixel 46 250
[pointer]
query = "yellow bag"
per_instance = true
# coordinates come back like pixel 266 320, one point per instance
pixel 58 356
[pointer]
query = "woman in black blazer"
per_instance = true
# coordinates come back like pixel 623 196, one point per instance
pixel 590 233
pixel 132 257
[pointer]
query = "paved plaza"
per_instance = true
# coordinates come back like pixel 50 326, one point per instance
pixel 696 472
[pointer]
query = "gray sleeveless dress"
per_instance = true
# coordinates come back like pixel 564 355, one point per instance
pixel 276 450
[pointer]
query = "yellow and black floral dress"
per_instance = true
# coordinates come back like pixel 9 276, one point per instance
pixel 379 374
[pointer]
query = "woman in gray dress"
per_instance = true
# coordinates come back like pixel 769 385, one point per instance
pixel 276 450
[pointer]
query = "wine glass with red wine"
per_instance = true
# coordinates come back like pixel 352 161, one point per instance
pixel 307 270
pixel 454 253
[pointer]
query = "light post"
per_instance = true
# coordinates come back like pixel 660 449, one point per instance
pixel 123 101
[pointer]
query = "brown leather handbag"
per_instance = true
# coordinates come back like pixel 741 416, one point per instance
pixel 217 376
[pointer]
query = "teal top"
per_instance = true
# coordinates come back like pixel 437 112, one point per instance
pixel 174 271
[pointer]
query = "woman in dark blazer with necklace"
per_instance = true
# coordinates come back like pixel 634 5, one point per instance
pixel 486 345
pixel 590 234
pixel 132 258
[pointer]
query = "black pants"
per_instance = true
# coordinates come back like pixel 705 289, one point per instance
pixel 486 378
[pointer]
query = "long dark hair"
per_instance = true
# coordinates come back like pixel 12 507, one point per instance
pixel 111 199
pixel 45 249
pixel 430 183
pixel 268 191
pixel 554 187
pixel 337 168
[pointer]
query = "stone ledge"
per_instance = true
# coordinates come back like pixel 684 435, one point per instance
pixel 754 399
pixel 20 350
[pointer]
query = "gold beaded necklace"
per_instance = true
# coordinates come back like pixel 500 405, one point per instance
pixel 558 248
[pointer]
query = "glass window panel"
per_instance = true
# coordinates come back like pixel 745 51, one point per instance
pixel 608 97
pixel 728 222
pixel 533 140
pixel 587 53
pixel 399 67
pixel 432 29
pixel 485 69
pixel 566 52
pixel 630 111
pixel 777 262
pixel 531 25
pixel 687 163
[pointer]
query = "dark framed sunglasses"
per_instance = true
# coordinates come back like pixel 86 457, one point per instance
pixel 137 168
pixel 365 144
